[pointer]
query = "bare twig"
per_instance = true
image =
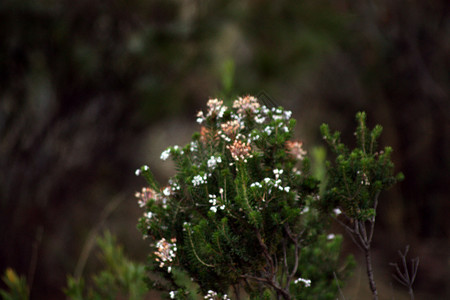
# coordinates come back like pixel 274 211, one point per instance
pixel 363 241
pixel 404 276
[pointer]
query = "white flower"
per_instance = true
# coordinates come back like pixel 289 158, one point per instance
pixel 200 117
pixel 172 294
pixel 166 191
pixel 223 109
pixel 137 172
pixel 256 184
pixel 278 171
pixel 213 161
pixel 194 146
pixel 255 137
pixel 337 211
pixel 174 185
pixel 307 282
pixel 213 209
pixel 305 210
pixel 198 179
pixel 287 114
pixel 213 199
pixel 259 119
pixel 165 154
pixel 330 236
pixel 211 295
pixel 268 130
pixel 265 110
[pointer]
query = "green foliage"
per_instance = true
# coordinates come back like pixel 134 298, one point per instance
pixel 120 277
pixel 240 214
pixel 319 263
pixel 354 184
pixel 17 286
pixel 357 176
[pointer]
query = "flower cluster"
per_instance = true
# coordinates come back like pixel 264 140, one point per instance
pixel 166 252
pixel 139 171
pixel 174 186
pixel 165 154
pixel 145 195
pixel 198 179
pixel 172 294
pixel 270 182
pixel 215 108
pixel 306 282
pixel 214 296
pixel 213 161
pixel 235 130
pixel 229 130
pixel 206 135
pixel 240 151
pixel 248 104
pixel 364 178
pixel 213 201
pixel 171 150
pixel 295 149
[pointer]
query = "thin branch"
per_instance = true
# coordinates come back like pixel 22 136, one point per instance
pixel 359 235
pixel 372 222
pixel 339 287
pixel 352 234
pixel 296 259
pixel 285 263
pixel 270 282
pixel 266 253
pixel 363 232
pixel 195 253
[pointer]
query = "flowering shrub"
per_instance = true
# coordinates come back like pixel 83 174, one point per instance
pixel 241 213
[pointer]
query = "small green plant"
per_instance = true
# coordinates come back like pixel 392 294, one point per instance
pixel 242 214
pixel 17 286
pixel 121 278
pixel 355 181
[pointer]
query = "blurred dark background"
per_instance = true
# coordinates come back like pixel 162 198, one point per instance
pixel 91 90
